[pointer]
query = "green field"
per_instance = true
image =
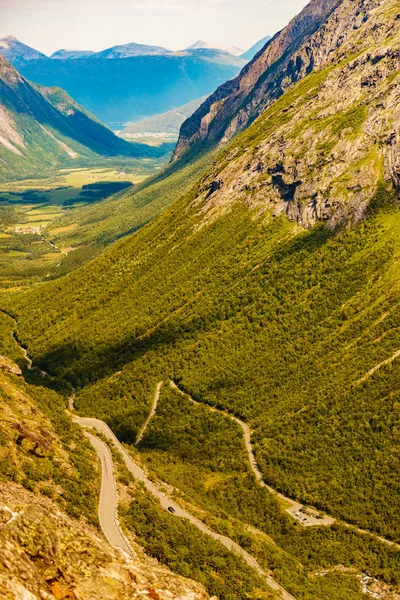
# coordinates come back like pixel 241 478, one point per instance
pixel 28 209
pixel 79 213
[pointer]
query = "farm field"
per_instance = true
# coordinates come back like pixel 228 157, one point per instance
pixel 28 209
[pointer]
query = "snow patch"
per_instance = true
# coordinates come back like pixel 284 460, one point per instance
pixel 9 135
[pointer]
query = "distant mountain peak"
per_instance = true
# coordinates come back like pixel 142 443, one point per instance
pixel 65 54
pixel 9 38
pixel 15 51
pixel 201 44
pixel 130 50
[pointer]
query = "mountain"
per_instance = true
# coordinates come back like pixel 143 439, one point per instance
pixel 266 299
pixel 126 83
pixel 289 56
pixel 42 129
pixel 200 44
pixel 129 50
pixel 250 54
pixel 166 123
pixel 15 51
pixel 66 54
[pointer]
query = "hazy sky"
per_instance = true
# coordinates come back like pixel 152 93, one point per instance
pixel 48 25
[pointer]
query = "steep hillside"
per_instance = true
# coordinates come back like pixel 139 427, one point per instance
pixel 306 44
pixel 43 129
pixel 119 90
pixel 48 470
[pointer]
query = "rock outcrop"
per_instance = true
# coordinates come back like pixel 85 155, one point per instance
pixel 8 366
pixel 47 556
pixel 328 147
pixel 305 45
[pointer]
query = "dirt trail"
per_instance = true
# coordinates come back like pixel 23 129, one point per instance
pixel 297 510
pixel 369 373
pixel 151 414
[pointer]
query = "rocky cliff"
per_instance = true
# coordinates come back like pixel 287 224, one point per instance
pixel 329 147
pixel 305 45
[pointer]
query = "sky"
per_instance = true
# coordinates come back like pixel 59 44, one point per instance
pixel 48 25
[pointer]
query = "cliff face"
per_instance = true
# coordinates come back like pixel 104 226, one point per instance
pixel 326 149
pixel 305 45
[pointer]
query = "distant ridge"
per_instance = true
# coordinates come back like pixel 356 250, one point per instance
pixel 251 52
pixel 44 129
pixel 130 50
pixel 200 44
pixel 126 83
pixel 67 54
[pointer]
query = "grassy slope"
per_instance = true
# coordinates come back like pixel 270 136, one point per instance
pixel 40 448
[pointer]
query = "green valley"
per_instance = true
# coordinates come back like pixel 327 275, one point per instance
pixel 227 327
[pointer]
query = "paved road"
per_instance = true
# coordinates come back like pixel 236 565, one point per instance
pixel 166 503
pixel 295 509
pixel 151 414
pixel 108 497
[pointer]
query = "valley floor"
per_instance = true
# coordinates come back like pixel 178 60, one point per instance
pixel 32 213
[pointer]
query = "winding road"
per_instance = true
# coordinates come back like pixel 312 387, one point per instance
pixel 108 503
pixel 108 500
pixel 108 497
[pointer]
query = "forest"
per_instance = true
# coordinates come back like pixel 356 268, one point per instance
pixel 284 354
